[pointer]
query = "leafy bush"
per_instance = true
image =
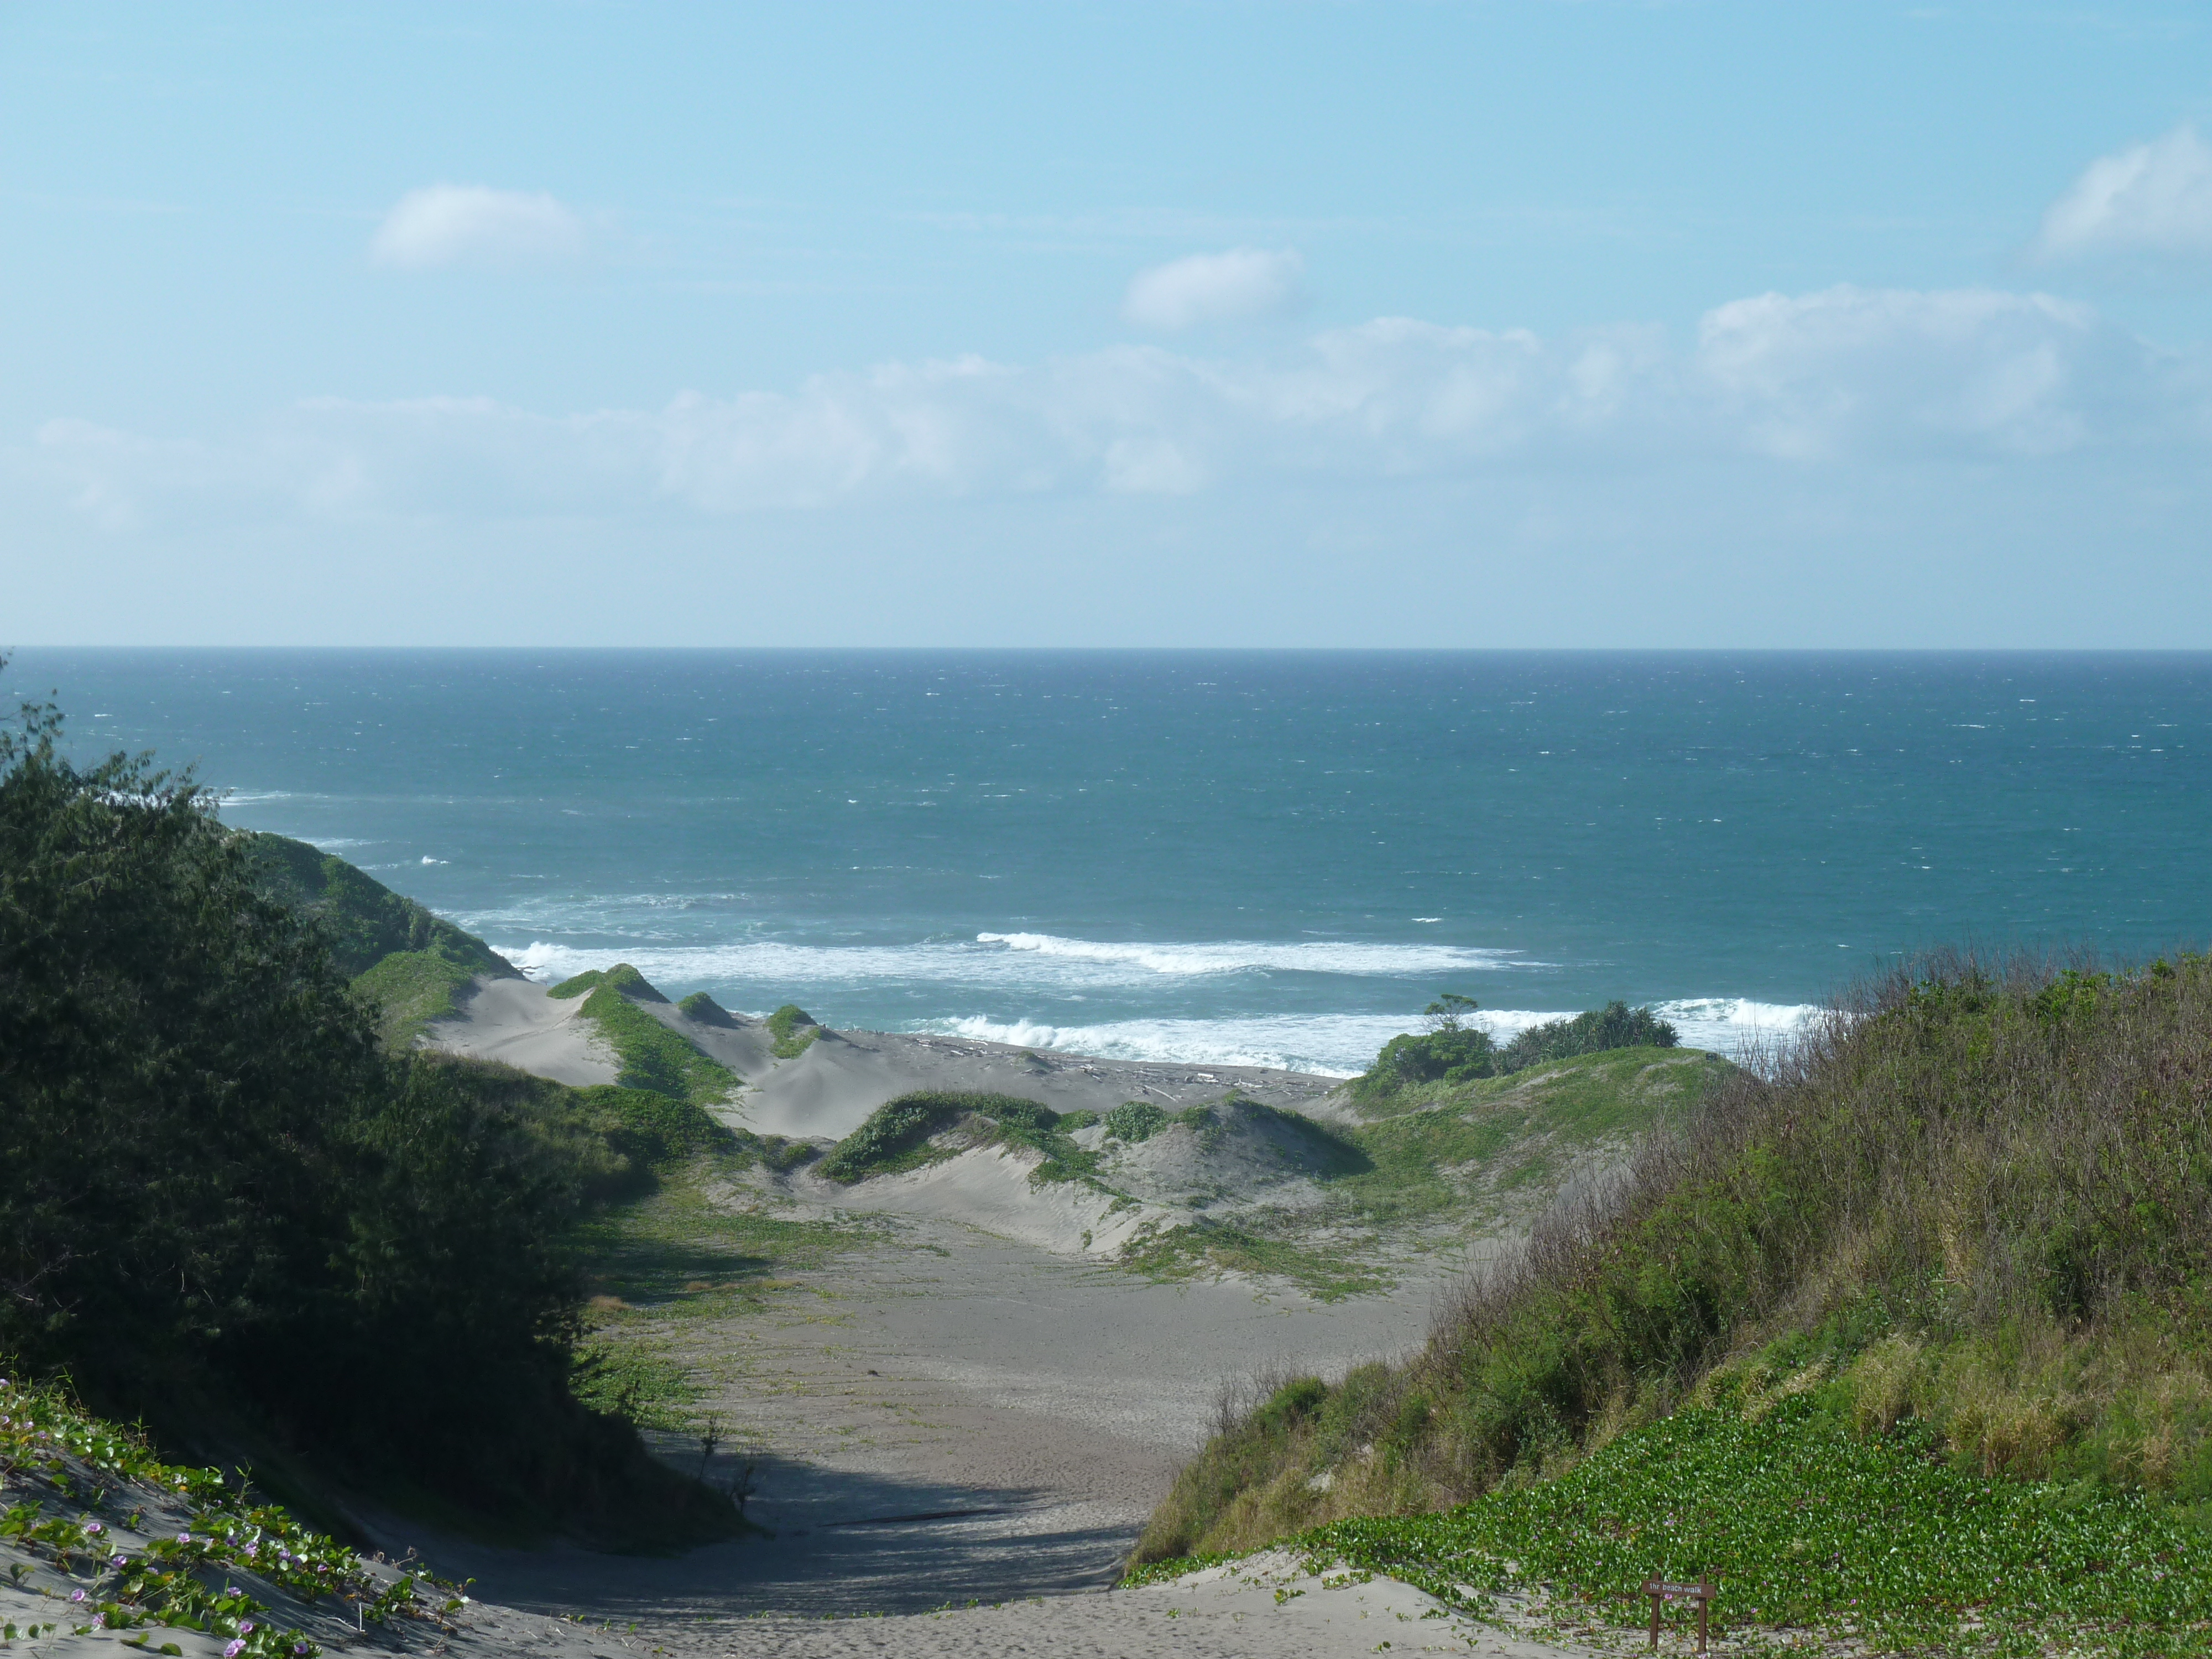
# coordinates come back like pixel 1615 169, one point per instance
pixel 1452 1052
pixel 220 1188
pixel 1135 1122
pixel 1616 1025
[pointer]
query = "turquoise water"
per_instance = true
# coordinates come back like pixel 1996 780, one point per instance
pixel 1266 857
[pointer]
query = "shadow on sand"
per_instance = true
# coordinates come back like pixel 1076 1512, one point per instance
pixel 835 1542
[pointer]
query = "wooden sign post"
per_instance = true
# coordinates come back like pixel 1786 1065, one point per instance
pixel 1659 1589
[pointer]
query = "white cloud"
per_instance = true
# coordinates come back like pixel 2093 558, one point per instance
pixel 1242 285
pixel 2153 199
pixel 1846 377
pixel 469 224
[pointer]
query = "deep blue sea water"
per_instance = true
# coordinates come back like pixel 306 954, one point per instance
pixel 1264 856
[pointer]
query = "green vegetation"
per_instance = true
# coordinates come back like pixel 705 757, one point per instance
pixel 412 965
pixel 793 1029
pixel 1965 1228
pixel 360 919
pixel 682 1253
pixel 1616 1025
pixel 654 1058
pixel 1453 1052
pixel 229 1210
pixel 1261 1248
pixel 1802 1519
pixel 1442 1157
pixel 1136 1121
pixel 67 1468
pixel 621 977
pixel 898 1135
pixel 410 988
pixel 704 1009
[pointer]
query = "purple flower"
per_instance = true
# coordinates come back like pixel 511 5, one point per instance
pixel 100 1622
pixel 118 1560
pixel 232 1650
pixel 95 1528
pixel 184 1538
pixel 76 1595
pixel 299 1647
pixel 245 1627
pixel 230 1589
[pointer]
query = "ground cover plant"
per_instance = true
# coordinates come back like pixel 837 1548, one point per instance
pixel 793 1029
pixel 1805 1523
pixel 229 1210
pixel 654 1058
pixel 905 1134
pixel 1978 1202
pixel 79 1493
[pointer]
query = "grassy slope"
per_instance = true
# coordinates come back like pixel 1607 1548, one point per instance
pixel 653 1057
pixel 411 964
pixel 1969 1234
pixel 1435 1158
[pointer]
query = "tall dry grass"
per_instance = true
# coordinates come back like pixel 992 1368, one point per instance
pixel 1978 1191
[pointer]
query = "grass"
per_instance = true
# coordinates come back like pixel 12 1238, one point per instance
pixel 410 988
pixel 1209 1245
pixel 1970 1213
pixel 653 1057
pixel 928 1127
pixel 1805 1521
pixel 1439 1158
pixel 678 1257
pixel 795 1030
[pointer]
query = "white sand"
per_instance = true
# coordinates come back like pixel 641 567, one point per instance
pixel 828 1091
pixel 514 1022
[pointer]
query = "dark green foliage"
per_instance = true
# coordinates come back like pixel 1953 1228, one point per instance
pixel 1616 1025
pixel 219 1187
pixel 363 920
pixel 1452 1052
pixel 793 1028
pixel 894 1137
pixel 1136 1121
pixel 1456 1056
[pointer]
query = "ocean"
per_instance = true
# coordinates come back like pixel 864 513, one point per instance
pixel 1258 857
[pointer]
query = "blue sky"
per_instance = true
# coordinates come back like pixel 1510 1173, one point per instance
pixel 1262 323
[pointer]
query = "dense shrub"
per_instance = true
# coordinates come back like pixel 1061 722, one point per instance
pixel 1616 1025
pixel 1453 1052
pixel 221 1191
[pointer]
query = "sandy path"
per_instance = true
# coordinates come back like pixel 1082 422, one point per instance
pixel 949 1416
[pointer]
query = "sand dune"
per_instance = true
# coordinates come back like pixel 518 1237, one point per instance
pixel 828 1091
pixel 513 1022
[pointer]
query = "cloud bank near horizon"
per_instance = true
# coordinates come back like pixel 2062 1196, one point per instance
pixel 1843 377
